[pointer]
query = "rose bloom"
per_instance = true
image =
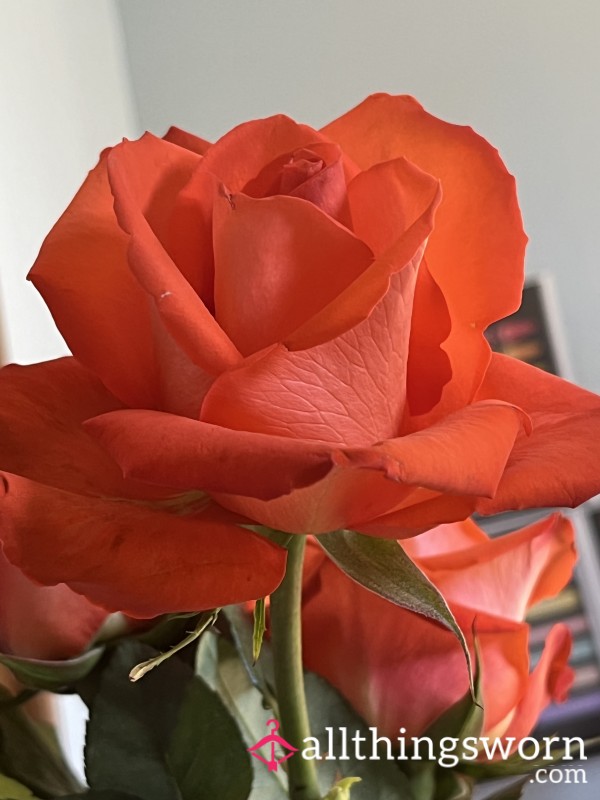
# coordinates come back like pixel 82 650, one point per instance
pixel 407 671
pixel 285 327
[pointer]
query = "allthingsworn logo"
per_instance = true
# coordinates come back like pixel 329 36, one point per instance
pixel 275 757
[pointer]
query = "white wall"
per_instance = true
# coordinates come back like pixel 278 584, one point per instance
pixel 525 74
pixel 64 95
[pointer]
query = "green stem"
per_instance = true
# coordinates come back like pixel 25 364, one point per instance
pixel 286 639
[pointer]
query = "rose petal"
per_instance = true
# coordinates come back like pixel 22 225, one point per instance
pixel 132 557
pixel 187 234
pixel 278 262
pixel 45 622
pixel 445 539
pixel 504 652
pixel 507 575
pixel 187 140
pixel 387 200
pixel 550 680
pixel 137 170
pixel 316 173
pixel 465 454
pixel 175 451
pixel 243 152
pixel 429 368
pixel 349 390
pixel 82 267
pixel 43 406
pixel 558 464
pixel 420 511
pixel 476 252
pixel 354 304
pixel 338 500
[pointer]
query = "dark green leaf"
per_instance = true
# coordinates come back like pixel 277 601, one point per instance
pixel 208 756
pixel 131 725
pixel 383 567
pixel 52 675
pixel 422 779
pixel 28 754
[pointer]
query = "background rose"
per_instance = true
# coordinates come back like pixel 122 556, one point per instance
pixel 43 622
pixel 256 319
pixel 406 671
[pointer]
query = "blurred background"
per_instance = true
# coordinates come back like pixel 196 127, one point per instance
pixel 77 76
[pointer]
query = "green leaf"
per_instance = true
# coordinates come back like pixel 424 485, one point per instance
pixel 28 754
pixel 260 626
pixel 52 675
pixel 208 756
pixel 428 781
pixel 512 792
pixel 168 737
pixel 13 790
pixel 422 779
pixel 382 566
pixel 131 725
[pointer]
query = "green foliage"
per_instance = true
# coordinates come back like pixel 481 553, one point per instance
pixel 207 754
pixel 164 737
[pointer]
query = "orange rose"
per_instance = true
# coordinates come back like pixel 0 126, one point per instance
pixel 261 320
pixel 406 671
